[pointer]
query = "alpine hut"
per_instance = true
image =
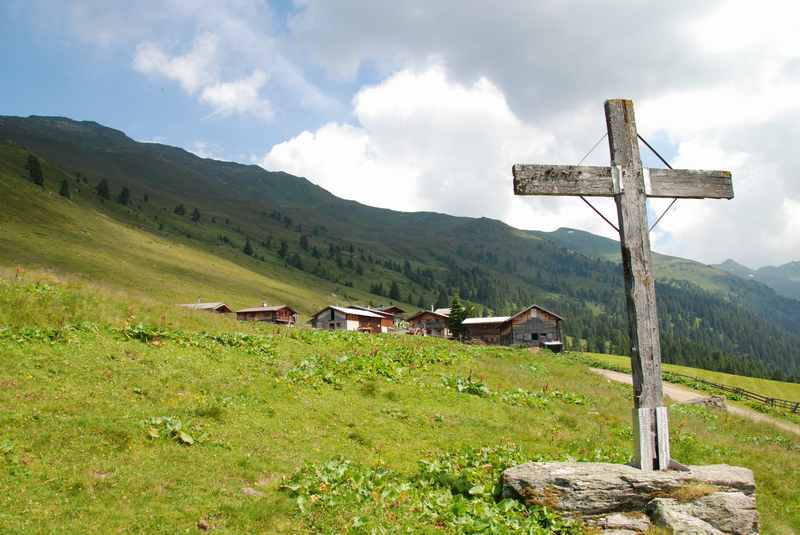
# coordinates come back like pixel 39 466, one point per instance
pixel 280 314
pixel 533 326
pixel 347 319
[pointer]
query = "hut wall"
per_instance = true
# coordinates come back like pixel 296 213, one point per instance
pixel 535 327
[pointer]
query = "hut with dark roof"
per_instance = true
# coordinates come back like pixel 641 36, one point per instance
pixel 281 314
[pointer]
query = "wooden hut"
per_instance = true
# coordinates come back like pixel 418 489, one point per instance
pixel 220 308
pixel 346 319
pixel 430 323
pixel 281 314
pixel 533 326
pixel 387 319
pixel 491 330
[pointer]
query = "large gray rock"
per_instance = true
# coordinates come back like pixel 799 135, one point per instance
pixel 717 499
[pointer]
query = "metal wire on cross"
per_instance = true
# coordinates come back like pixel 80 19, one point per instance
pixel 654 151
pixel 649 146
pixel 584 198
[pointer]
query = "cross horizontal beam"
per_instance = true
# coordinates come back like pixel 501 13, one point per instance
pixel 598 181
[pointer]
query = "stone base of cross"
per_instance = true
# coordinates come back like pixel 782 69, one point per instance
pixel 630 185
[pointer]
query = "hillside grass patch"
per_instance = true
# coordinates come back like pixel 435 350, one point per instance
pixel 89 429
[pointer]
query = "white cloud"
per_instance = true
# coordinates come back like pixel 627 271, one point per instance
pixel 240 97
pixel 424 142
pixel 192 70
pixel 197 71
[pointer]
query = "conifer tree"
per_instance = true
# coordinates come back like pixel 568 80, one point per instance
pixel 124 196
pixel 284 250
pixel 180 210
pixel 64 191
pixel 248 248
pixel 103 190
pixel 196 215
pixel 35 170
pixel 457 315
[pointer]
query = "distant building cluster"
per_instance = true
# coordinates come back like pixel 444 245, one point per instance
pixel 533 326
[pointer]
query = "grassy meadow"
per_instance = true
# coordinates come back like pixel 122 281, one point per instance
pixel 122 415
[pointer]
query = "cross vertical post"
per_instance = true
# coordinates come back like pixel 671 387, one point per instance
pixel 650 425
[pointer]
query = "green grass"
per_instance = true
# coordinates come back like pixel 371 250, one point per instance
pixel 295 430
pixel 766 387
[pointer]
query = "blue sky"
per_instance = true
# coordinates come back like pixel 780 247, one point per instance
pixel 52 71
pixel 423 105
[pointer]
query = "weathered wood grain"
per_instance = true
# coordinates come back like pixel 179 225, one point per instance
pixel 640 292
pixel 597 181
pixel 586 180
pixel 690 184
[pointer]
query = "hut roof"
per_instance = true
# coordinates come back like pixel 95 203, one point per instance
pixel 381 313
pixel 351 311
pixel 539 308
pixel 271 308
pixel 434 312
pixel 489 320
pixel 206 306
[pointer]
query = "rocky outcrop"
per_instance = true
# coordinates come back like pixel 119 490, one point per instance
pixel 623 500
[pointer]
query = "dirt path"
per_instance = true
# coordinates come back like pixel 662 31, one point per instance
pixel 683 394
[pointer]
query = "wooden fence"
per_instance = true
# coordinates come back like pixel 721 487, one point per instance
pixel 793 406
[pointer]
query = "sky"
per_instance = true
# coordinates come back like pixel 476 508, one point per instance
pixel 426 105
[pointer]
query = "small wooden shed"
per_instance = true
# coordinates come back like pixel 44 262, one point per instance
pixel 347 319
pixel 281 314
pixel 387 319
pixel 430 323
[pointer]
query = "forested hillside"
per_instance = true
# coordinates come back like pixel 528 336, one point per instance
pixel 286 230
pixel 784 279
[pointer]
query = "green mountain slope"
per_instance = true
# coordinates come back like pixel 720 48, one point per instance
pixel 40 229
pixel 313 247
pixel 667 267
pixel 784 279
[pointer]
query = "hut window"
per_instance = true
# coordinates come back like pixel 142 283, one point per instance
pixel 534 336
pixel 332 313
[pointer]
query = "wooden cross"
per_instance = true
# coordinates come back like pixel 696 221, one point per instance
pixel 631 185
